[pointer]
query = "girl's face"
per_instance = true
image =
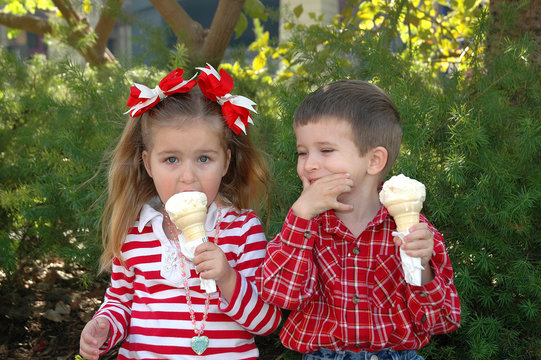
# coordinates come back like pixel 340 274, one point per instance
pixel 187 158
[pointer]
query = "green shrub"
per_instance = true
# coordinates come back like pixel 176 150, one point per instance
pixel 473 138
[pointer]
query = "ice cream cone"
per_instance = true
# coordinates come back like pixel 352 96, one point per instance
pixel 188 211
pixel 403 197
pixel 191 223
pixel 405 213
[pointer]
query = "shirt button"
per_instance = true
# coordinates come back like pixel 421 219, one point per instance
pixel 423 318
pixel 307 234
pixel 356 250
pixel 356 300
pixel 374 357
pixel 423 294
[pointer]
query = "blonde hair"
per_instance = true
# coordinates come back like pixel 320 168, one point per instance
pixel 244 185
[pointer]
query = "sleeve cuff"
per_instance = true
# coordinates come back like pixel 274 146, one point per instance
pixel 228 306
pixel 426 301
pixel 298 232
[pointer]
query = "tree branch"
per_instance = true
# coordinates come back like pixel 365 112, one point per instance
pixel 68 12
pixel 97 53
pixel 106 23
pixel 28 23
pixel 185 28
pixel 222 27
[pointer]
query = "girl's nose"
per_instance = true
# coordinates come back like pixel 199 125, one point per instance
pixel 187 174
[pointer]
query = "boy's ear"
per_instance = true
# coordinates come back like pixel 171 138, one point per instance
pixel 377 160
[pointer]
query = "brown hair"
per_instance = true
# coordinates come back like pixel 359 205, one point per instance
pixel 245 184
pixel 373 116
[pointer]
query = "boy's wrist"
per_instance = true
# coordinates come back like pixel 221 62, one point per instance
pixel 301 211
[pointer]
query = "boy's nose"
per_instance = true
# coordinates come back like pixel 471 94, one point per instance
pixel 311 163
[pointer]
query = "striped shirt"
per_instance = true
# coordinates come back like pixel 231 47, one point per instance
pixel 349 293
pixel 146 302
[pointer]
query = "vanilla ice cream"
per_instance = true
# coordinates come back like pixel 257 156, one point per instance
pixel 403 197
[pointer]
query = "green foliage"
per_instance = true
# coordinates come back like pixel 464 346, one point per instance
pixel 473 138
pixel 56 123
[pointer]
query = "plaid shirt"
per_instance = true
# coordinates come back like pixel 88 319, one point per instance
pixel 349 293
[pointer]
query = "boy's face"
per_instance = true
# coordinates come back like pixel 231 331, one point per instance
pixel 326 147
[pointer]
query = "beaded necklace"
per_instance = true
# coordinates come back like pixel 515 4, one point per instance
pixel 199 342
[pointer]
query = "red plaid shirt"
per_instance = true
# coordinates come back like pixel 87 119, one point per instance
pixel 349 293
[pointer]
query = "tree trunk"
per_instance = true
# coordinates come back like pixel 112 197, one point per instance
pixel 203 46
pixel 222 27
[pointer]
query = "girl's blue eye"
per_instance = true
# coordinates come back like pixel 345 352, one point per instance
pixel 171 160
pixel 204 158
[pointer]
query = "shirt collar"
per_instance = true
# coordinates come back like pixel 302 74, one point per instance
pixel 332 224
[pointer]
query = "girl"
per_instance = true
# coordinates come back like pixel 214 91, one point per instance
pixel 182 136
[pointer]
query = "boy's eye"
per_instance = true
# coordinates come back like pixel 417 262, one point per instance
pixel 327 150
pixel 171 160
pixel 301 153
pixel 204 159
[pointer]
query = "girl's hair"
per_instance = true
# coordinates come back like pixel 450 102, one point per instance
pixel 244 185
pixel 373 116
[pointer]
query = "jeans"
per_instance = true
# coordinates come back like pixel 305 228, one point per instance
pixel 386 354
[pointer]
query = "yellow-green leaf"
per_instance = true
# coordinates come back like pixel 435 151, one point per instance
pixel 259 61
pixel 298 11
pixel 242 24
pixel 255 9
pixel 87 6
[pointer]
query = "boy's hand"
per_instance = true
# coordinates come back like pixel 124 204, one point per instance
pixel 418 243
pixel 211 263
pixel 322 195
pixel 93 336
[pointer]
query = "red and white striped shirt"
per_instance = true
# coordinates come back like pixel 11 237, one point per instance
pixel 146 302
pixel 349 293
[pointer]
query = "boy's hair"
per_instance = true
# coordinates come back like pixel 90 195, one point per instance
pixel 245 184
pixel 373 116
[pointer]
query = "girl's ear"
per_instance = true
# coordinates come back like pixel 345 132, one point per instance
pixel 146 161
pixel 377 160
pixel 227 161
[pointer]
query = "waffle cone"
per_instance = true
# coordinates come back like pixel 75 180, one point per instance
pixel 192 223
pixel 405 213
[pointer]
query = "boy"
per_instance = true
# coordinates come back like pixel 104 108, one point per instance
pixel 335 264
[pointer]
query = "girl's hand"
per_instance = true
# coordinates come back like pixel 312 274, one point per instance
pixel 418 243
pixel 93 336
pixel 211 263
pixel 322 195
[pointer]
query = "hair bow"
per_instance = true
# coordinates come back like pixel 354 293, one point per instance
pixel 143 98
pixel 235 108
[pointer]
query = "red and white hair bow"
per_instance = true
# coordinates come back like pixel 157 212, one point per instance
pixel 143 98
pixel 235 108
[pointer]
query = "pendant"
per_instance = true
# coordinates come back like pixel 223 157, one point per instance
pixel 200 344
